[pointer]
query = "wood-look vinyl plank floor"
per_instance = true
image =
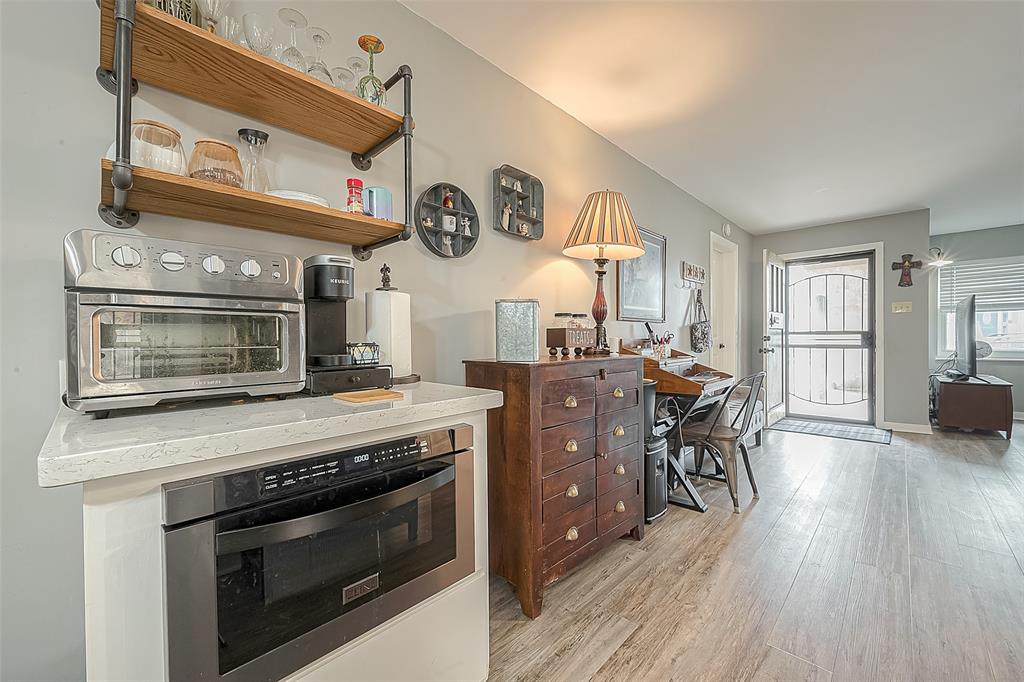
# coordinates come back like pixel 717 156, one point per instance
pixel 859 562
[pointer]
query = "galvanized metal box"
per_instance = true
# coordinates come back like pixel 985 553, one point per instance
pixel 517 330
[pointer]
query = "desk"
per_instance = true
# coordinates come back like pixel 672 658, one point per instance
pixel 983 402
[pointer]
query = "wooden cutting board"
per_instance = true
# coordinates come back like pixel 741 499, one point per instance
pixel 368 396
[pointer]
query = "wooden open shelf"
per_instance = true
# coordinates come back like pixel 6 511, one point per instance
pixel 183 197
pixel 172 55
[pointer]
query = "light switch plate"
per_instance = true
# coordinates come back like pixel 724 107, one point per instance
pixel 902 307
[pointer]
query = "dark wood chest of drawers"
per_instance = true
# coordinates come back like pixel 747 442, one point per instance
pixel 564 458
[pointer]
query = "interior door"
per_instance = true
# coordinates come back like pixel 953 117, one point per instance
pixel 774 330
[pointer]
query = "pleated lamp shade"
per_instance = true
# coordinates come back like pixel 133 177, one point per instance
pixel 604 229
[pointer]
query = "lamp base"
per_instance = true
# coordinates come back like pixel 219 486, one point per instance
pixel 600 310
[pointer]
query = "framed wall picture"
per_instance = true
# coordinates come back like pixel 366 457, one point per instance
pixel 640 282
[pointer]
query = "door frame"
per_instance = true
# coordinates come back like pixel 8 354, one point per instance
pixel 879 307
pixel 870 255
pixel 723 246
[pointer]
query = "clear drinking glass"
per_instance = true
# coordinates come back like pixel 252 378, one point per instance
pixel 259 33
pixel 212 11
pixel 318 69
pixel 229 28
pixel 344 78
pixel 291 56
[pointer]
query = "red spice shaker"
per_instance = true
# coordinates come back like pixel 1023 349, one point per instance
pixel 354 203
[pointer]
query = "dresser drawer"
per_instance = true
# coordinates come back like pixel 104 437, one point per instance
pixel 607 461
pixel 556 460
pixel 559 391
pixel 570 542
pixel 614 380
pixel 619 399
pixel 572 410
pixel 607 423
pixel 562 504
pixel 559 437
pixel 607 442
pixel 617 506
pixel 617 476
pixel 557 484
pixel 555 529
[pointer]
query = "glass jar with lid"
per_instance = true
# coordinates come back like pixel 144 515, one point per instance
pixel 563 320
pixel 579 321
pixel 215 161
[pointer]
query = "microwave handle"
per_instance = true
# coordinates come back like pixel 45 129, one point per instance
pixel 244 539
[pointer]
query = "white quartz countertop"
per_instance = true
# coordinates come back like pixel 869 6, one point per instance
pixel 82 448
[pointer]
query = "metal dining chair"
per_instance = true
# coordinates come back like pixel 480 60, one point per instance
pixel 725 430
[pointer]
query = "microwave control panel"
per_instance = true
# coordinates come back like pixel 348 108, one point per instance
pixel 316 471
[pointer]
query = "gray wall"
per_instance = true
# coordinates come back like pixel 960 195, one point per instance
pixel 905 336
pixel 998 242
pixel 471 117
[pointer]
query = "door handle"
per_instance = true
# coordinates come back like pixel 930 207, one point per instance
pixel 721 345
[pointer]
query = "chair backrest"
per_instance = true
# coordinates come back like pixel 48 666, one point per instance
pixel 746 412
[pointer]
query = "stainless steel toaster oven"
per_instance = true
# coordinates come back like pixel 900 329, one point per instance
pixel 154 320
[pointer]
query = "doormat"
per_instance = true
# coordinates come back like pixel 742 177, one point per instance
pixel 834 430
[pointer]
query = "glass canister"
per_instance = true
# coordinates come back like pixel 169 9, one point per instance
pixel 254 173
pixel 563 320
pixel 154 145
pixel 579 320
pixel 354 202
pixel 215 161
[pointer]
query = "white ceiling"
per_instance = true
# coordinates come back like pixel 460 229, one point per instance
pixel 783 115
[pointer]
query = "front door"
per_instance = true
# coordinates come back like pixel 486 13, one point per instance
pixel 830 338
pixel 771 341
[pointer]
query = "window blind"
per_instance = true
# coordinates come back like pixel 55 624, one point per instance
pixel 998 284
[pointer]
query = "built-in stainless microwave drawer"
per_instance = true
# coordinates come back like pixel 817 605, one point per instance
pixel 132 345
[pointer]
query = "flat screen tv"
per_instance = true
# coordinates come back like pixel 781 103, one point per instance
pixel 966 346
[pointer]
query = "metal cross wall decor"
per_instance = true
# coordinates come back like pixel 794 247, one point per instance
pixel 906 265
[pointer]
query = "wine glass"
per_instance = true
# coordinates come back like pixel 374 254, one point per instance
pixel 356 65
pixel 343 78
pixel 229 28
pixel 318 69
pixel 213 11
pixel 291 56
pixel 259 33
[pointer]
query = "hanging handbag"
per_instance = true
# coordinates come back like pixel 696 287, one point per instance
pixel 700 330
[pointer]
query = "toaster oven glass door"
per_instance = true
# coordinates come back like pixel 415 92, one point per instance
pixel 142 344
pixel 127 345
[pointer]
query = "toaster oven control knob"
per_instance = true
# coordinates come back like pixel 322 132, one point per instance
pixel 172 260
pixel 250 268
pixel 213 265
pixel 126 256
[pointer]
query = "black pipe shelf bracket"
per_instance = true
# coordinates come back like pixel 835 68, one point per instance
pixel 364 161
pixel 120 83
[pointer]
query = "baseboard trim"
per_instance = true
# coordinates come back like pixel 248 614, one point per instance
pixel 1018 416
pixel 908 428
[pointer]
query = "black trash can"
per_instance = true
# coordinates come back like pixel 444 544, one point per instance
pixel 655 481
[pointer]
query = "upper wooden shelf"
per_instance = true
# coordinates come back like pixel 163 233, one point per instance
pixel 172 55
pixel 175 195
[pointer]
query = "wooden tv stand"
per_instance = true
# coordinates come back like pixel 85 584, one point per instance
pixel 982 402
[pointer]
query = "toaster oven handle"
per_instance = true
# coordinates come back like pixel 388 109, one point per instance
pixel 244 539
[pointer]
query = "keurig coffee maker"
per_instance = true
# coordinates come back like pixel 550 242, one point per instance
pixel 333 365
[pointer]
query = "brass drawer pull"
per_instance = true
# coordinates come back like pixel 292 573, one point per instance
pixel 572 491
pixel 619 469
pixel 571 401
pixel 618 392
pixel 619 431
pixel 620 507
pixel 572 535
pixel 572 445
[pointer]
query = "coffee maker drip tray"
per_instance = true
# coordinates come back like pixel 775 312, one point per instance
pixel 330 360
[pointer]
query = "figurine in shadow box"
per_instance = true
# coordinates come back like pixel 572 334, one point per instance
pixel 428 223
pixel 506 215
pixel 518 186
pixel 466 223
pixel 446 245
pixel 447 198
pixel 504 181
pixel 524 229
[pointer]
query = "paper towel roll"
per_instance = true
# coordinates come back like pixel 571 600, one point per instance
pixel 389 323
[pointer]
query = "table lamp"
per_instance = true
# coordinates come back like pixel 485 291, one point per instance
pixel 604 231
